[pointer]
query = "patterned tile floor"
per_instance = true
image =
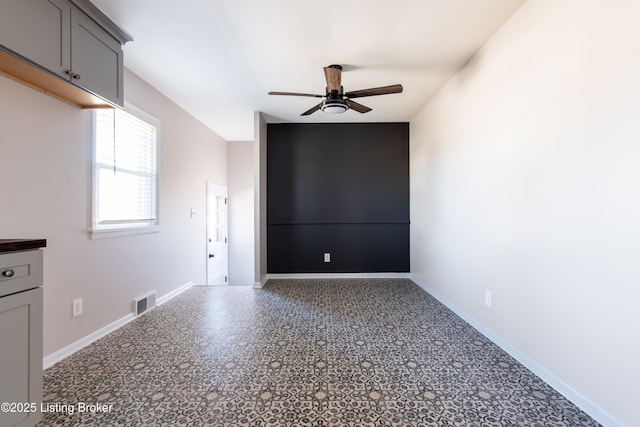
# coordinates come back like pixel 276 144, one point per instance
pixel 300 353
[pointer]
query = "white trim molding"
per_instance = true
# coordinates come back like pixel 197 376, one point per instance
pixel 109 233
pixel 339 276
pixel 78 345
pixel 593 410
pixel 53 358
pixel 302 276
pixel 174 293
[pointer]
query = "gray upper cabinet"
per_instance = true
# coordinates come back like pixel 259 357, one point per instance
pixel 96 59
pixel 69 38
pixel 38 31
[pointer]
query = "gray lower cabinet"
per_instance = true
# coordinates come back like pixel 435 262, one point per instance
pixel 20 334
pixel 21 358
pixel 68 41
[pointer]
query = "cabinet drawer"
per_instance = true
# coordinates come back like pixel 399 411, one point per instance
pixel 20 271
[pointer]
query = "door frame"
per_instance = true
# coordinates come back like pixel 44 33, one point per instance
pixel 219 189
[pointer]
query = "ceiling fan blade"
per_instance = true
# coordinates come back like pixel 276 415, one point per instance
pixel 358 107
pixel 333 75
pixel 311 110
pixel 296 94
pixel 384 90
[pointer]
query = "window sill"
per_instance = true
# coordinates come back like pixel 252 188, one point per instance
pixel 109 233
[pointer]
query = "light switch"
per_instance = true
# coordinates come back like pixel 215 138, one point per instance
pixel 77 307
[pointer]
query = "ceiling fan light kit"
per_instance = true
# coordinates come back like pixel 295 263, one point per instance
pixel 334 106
pixel 335 100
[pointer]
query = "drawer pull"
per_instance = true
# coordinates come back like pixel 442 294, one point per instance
pixel 8 273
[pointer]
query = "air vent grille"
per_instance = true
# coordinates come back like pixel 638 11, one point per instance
pixel 145 303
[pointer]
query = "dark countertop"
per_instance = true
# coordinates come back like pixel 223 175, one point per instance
pixel 12 245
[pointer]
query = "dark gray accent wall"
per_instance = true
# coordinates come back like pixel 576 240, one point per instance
pixel 339 188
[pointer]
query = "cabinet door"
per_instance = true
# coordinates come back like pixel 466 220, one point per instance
pixel 96 58
pixel 37 30
pixel 21 356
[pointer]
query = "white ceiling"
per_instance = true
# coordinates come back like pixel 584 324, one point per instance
pixel 217 59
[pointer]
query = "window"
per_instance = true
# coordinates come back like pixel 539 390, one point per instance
pixel 125 172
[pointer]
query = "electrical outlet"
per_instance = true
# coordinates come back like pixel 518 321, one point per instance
pixel 77 307
pixel 327 257
pixel 488 298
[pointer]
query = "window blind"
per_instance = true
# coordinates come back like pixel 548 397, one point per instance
pixel 126 170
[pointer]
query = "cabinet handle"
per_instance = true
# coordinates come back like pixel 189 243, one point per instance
pixel 8 273
pixel 72 74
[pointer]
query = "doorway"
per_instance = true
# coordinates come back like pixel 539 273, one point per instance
pixel 217 242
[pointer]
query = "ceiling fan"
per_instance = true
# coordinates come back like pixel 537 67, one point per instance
pixel 335 99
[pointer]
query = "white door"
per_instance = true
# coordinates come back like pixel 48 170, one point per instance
pixel 217 256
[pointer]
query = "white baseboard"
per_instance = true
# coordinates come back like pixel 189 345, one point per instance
pixel 340 276
pixel 593 410
pixel 261 283
pixel 67 351
pixel 174 293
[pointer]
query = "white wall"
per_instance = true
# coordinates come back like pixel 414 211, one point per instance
pixel 45 180
pixel 525 175
pixel 240 181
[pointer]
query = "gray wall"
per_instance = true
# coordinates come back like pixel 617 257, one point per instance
pixel 260 198
pixel 524 181
pixel 45 184
pixel 240 178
